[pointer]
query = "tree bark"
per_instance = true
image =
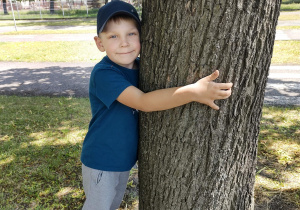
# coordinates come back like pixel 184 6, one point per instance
pixel 51 6
pixel 193 157
pixel 5 8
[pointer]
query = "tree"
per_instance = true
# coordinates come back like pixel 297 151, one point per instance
pixel 51 6
pixel 196 157
pixel 4 7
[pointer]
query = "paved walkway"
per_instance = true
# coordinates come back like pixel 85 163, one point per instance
pixel 283 87
pixel 52 79
pixel 280 35
pixel 45 78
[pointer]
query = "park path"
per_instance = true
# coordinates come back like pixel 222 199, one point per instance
pixel 52 79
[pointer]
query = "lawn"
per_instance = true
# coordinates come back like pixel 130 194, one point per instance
pixel 41 137
pixel 40 145
pixel 278 169
pixel 285 52
pixel 66 14
pixel 58 22
pixel 54 51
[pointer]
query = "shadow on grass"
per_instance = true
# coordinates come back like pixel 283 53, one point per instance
pixel 40 141
pixel 278 169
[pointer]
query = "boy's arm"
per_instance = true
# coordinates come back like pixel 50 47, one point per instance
pixel 204 91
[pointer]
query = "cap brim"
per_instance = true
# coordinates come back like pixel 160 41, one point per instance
pixel 116 13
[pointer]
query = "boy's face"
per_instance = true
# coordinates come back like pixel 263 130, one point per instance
pixel 121 41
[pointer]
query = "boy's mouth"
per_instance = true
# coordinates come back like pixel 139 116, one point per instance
pixel 125 53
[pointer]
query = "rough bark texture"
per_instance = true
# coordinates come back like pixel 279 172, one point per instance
pixel 5 8
pixel 51 6
pixel 193 157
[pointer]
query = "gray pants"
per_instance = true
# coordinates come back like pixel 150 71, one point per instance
pixel 104 190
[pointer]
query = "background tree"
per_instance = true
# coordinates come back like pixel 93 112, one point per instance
pixel 196 157
pixel 51 6
pixel 4 7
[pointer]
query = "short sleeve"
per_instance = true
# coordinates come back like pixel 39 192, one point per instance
pixel 109 85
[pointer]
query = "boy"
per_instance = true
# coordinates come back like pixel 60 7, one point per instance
pixel 110 147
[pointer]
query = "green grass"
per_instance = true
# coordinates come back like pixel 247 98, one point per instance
pixel 288 28
pixel 288 16
pixel 290 7
pixel 62 31
pixel 290 1
pixel 286 52
pixel 56 51
pixel 40 145
pixel 278 169
pixel 60 22
pixel 82 13
pixel 40 148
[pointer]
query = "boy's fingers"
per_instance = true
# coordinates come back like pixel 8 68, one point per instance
pixel 225 86
pixel 225 93
pixel 213 76
pixel 213 106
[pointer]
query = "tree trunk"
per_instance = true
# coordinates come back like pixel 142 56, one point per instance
pixel 193 157
pixel 4 7
pixel 51 6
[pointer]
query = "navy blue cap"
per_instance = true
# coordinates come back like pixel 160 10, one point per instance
pixel 114 8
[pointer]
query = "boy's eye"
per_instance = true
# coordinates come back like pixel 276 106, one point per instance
pixel 132 34
pixel 113 37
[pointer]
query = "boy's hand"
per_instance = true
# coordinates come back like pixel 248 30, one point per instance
pixel 206 91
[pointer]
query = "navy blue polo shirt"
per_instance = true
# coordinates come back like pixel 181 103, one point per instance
pixel 112 139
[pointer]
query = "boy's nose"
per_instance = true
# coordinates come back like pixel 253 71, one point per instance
pixel 124 42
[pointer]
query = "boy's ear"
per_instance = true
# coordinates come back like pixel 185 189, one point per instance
pixel 99 43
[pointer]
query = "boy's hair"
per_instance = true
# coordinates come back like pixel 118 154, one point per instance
pixel 112 9
pixel 121 17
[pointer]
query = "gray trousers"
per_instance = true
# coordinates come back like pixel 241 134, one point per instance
pixel 104 190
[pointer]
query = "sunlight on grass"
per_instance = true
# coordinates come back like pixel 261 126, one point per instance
pixel 288 16
pixel 34 32
pixel 62 136
pixel 55 51
pixel 66 191
pixel 267 183
pixel 286 52
pixel 7 160
pixel 290 7
pixel 287 27
pixel 41 139
pixel 41 150
pixel 59 22
pixel 278 168
pixel 286 151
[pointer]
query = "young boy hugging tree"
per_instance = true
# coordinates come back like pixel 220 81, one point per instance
pixel 110 147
